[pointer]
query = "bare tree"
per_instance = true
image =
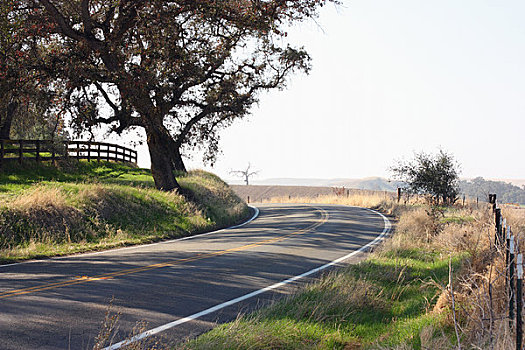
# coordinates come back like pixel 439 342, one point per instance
pixel 245 174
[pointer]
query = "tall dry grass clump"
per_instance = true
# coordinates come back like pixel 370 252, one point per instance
pixel 42 214
pixel 416 227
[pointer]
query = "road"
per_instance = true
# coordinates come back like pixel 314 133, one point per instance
pixel 61 303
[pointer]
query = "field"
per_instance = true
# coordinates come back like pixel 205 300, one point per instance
pixel 260 193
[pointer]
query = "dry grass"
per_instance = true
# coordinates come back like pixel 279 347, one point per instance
pixel 110 330
pixel 41 215
pixel 380 201
pixel 480 288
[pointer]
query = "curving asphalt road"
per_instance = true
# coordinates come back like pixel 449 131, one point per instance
pixel 61 303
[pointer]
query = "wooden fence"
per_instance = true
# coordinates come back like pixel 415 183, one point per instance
pixel 47 150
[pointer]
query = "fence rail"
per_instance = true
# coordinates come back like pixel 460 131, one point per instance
pixel 47 150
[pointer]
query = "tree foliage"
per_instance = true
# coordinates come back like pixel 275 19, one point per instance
pixel 28 93
pixel 436 175
pixel 180 69
pixel 480 188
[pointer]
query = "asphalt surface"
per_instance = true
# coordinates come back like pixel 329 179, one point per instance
pixel 61 303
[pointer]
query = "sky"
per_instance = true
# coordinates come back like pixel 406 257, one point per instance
pixel 391 78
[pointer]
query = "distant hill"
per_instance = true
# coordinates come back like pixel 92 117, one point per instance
pixel 369 183
pixel 507 192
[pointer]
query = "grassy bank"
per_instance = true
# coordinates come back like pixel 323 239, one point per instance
pixel 384 301
pixel 48 211
pixel 401 297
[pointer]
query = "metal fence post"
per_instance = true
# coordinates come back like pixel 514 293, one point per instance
pixel 497 218
pixel 519 303
pixel 507 256
pixel 511 279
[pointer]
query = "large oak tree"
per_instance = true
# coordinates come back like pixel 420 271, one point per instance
pixel 181 69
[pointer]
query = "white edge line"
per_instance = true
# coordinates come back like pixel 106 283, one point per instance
pixel 169 325
pixel 254 216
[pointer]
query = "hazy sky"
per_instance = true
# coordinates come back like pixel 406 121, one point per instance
pixel 390 78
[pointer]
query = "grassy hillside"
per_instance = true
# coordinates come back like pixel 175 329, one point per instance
pixel 75 207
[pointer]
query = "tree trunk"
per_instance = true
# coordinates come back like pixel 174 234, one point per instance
pixel 5 127
pixel 162 160
pixel 178 163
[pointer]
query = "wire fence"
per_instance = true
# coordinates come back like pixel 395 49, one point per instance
pixel 506 241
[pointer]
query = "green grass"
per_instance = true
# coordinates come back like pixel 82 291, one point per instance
pixel 80 206
pixel 384 301
pixel 30 172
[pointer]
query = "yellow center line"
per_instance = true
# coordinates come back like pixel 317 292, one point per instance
pixel 85 279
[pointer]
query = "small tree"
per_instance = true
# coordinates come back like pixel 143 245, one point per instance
pixel 245 174
pixel 434 175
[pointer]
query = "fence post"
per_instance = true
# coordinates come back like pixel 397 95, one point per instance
pixel 519 303
pixel 98 153
pixel 89 152
pixel 493 200
pixel 20 151
pixel 53 151
pixel 507 251
pixel 511 280
pixel 78 151
pixel 497 217
pixel 37 144
pixel 248 199
pixel 398 194
pixel 2 151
